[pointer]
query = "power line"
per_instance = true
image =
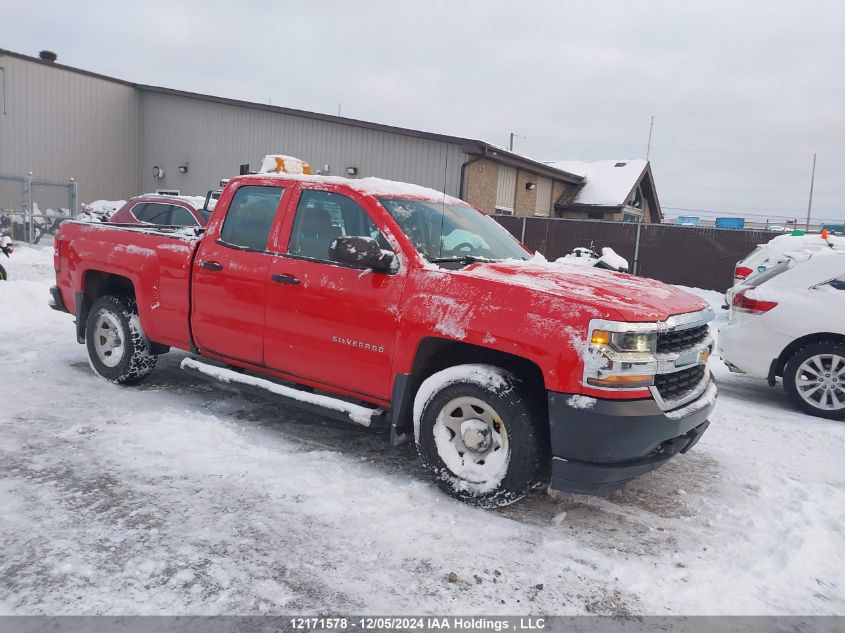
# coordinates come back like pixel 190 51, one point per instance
pixel 739 189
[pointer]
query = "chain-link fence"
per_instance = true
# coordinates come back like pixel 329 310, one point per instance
pixel 31 209
pixel 687 255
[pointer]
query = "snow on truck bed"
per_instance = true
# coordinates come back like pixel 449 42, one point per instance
pixel 178 496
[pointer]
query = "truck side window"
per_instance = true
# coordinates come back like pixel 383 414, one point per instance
pixel 322 217
pixel 250 216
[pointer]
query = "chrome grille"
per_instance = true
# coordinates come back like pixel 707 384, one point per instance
pixel 678 384
pixel 681 340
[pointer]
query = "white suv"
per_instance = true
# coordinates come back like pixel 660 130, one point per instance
pixel 790 323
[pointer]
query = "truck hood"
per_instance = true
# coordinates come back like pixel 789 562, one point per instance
pixel 634 299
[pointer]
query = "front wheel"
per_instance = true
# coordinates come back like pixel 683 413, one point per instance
pixel 477 434
pixel 118 350
pixel 814 377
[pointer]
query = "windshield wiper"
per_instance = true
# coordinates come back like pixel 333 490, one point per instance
pixel 463 259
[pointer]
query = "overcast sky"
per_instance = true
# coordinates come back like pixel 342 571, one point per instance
pixel 742 92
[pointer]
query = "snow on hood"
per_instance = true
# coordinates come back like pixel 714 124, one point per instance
pixel 633 298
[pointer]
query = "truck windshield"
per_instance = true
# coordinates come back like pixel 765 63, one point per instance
pixel 452 232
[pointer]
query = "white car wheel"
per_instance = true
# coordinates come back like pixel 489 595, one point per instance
pixel 815 379
pixel 821 381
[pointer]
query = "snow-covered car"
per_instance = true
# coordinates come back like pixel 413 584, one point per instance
pixel 790 323
pixel 609 259
pixel 764 256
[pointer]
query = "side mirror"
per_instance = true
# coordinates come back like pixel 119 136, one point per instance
pixel 361 252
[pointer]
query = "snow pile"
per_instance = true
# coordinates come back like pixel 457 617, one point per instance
pixel 586 257
pixel 99 210
pixel 608 182
pixel 581 402
pixel 612 259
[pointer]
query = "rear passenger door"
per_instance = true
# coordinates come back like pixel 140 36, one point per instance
pixel 230 276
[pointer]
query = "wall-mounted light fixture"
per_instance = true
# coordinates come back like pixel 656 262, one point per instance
pixel 158 172
pixel 183 169
pixel 352 171
pixel 530 186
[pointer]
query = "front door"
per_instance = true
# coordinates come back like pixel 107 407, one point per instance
pixel 329 322
pixel 230 277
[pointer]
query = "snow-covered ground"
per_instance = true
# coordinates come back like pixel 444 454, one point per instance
pixel 180 497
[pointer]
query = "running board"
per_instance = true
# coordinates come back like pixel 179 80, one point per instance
pixel 321 405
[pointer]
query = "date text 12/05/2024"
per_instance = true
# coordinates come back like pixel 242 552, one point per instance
pixel 428 623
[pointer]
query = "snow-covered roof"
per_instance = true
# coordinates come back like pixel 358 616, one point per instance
pixel 607 182
pixel 369 186
pixel 195 201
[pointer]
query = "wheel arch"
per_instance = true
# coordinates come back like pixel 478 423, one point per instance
pixel 434 354
pixel 780 362
pixel 96 284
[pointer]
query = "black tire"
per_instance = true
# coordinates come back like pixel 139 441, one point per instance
pixel 525 438
pixel 3 275
pixel 791 375
pixel 136 359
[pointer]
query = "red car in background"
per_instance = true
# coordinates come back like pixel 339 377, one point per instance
pixel 163 210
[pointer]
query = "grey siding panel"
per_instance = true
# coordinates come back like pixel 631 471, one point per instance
pixel 60 125
pixel 216 137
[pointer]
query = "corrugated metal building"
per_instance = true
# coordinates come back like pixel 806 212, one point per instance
pixel 61 122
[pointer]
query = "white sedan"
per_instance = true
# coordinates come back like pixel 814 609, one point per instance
pixel 791 324
pixel 764 256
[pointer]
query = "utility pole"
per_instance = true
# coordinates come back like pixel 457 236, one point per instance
pixel 510 143
pixel 810 204
pixel 650 128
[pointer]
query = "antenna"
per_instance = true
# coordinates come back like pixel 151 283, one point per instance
pixel 810 204
pixel 650 128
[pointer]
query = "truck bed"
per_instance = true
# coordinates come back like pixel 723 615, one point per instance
pixel 156 260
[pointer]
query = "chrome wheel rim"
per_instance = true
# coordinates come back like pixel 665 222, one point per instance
pixel 820 381
pixel 472 441
pixel 108 339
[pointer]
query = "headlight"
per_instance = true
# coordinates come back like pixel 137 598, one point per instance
pixel 621 356
pixel 625 341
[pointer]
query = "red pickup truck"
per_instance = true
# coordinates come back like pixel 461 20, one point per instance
pixel 389 304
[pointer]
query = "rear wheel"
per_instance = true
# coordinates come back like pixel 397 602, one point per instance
pixel 117 348
pixel 477 434
pixel 814 377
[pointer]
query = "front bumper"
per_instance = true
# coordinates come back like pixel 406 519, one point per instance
pixel 602 444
